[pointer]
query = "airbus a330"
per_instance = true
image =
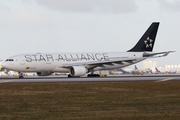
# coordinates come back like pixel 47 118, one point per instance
pixel 79 64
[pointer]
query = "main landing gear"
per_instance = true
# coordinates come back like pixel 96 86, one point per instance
pixel 69 75
pixel 20 75
pixel 73 76
pixel 93 75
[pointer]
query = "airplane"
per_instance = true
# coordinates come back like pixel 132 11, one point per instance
pixel 116 72
pixel 125 71
pixel 172 72
pixel 147 71
pixel 120 71
pixel 136 71
pixel 157 71
pixel 164 72
pixel 80 64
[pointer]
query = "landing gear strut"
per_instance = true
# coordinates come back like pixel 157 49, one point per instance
pixel 92 74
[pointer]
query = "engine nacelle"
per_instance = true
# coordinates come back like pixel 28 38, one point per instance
pixel 44 73
pixel 78 71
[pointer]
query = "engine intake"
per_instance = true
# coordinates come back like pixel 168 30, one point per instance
pixel 78 71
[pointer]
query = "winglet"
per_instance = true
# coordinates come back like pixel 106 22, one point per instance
pixel 165 54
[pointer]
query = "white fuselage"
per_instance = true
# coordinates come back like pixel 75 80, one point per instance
pixel 55 62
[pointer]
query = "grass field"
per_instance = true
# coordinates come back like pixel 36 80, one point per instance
pixel 111 100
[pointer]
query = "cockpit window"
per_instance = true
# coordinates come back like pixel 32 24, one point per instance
pixel 9 60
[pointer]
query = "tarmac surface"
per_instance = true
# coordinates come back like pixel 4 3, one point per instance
pixel 64 79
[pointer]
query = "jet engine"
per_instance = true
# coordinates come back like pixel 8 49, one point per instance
pixel 44 73
pixel 78 71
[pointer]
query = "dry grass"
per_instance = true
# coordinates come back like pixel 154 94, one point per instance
pixel 116 100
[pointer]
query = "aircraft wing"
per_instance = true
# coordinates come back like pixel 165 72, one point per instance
pixel 115 61
pixel 152 54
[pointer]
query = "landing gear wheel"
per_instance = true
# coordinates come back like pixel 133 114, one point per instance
pixel 73 76
pixel 93 75
pixel 69 75
pixel 21 77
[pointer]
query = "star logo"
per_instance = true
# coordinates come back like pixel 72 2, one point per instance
pixel 148 42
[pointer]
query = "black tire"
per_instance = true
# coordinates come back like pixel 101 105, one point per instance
pixel 93 75
pixel 97 75
pixel 89 75
pixel 69 75
pixel 21 77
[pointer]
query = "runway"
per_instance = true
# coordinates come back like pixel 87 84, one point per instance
pixel 64 79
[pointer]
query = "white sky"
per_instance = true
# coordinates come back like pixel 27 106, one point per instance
pixel 30 26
